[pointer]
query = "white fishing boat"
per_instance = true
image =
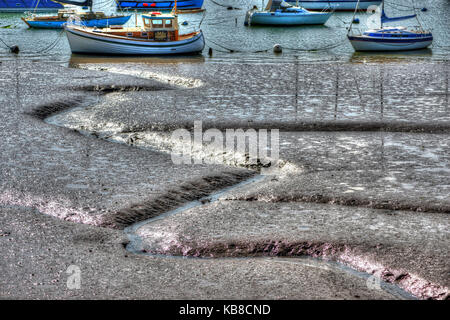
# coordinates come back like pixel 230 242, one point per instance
pixel 158 36
pixel 279 12
pixel 391 38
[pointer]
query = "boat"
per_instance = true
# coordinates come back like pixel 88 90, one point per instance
pixel 89 18
pixel 279 12
pixel 390 38
pixel 342 5
pixel 159 5
pixel 15 6
pixel 159 35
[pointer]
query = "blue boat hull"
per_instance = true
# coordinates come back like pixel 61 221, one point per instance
pixel 29 5
pixel 159 4
pixel 99 23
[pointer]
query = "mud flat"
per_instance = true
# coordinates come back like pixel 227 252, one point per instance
pixel 39 250
pixel 363 181
pixel 82 178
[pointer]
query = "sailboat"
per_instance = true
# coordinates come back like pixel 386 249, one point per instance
pixel 158 36
pixel 391 38
pixel 279 12
pixel 89 18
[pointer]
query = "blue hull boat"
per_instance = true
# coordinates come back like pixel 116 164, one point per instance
pixel 83 18
pixel 160 4
pixel 29 5
pixel 279 13
pixel 390 38
pixel 52 23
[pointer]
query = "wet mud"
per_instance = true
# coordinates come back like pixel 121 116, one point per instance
pixel 83 179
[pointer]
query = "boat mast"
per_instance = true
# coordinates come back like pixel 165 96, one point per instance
pixel 353 18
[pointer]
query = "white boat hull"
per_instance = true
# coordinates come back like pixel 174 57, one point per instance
pixel 83 41
pixel 284 19
pixel 346 5
pixel 366 45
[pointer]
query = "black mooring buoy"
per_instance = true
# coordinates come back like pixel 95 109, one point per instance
pixel 210 51
pixel 424 9
pixel 14 49
pixel 277 48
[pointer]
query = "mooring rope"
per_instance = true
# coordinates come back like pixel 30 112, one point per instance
pixel 224 5
pixel 332 46
pixel 230 50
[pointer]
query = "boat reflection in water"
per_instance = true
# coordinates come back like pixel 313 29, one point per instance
pixel 78 60
pixel 390 57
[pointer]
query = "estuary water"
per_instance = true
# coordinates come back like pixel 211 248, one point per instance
pixel 225 32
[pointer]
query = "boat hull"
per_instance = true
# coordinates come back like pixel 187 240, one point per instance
pixel 12 6
pixel 159 4
pixel 285 19
pixel 59 24
pixel 361 43
pixel 343 5
pixel 82 41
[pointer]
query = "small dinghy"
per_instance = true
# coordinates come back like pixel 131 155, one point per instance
pixel 391 38
pixel 89 19
pixel 158 36
pixel 279 12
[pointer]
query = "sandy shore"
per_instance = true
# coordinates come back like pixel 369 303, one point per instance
pixel 363 181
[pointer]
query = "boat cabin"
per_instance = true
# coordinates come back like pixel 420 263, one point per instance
pixel 161 27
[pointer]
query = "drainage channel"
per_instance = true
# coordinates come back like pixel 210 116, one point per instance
pixel 135 242
pixel 135 246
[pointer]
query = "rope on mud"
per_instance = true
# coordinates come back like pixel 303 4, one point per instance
pixel 225 5
pixel 53 44
pixel 329 47
pixel 230 50
pixel 49 47
pixel 397 5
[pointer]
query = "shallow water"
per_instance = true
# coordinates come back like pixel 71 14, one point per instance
pixel 224 30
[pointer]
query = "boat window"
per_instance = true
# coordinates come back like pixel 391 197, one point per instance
pixel 168 23
pixel 157 23
pixel 146 21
